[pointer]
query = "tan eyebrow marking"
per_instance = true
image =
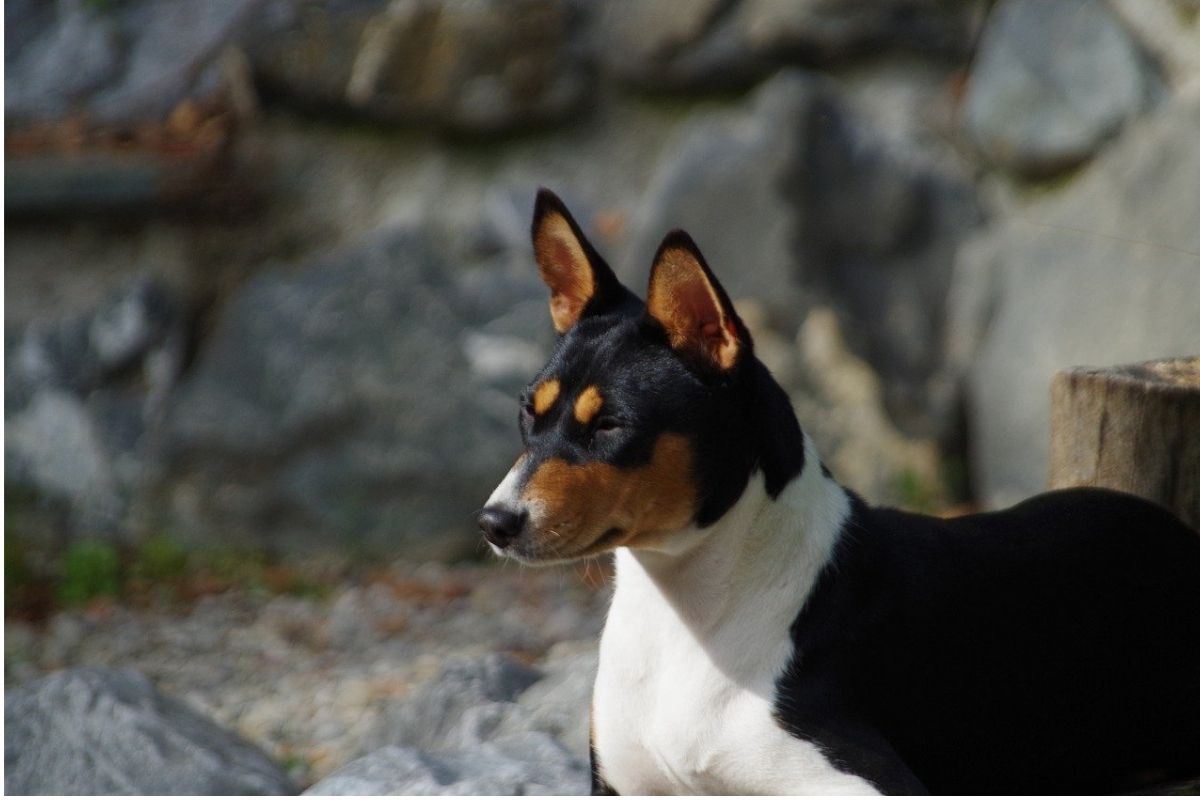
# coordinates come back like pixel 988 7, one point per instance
pixel 588 405
pixel 545 395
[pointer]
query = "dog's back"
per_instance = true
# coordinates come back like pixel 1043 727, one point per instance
pixel 1052 647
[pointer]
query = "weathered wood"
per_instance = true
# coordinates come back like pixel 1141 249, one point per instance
pixel 1134 428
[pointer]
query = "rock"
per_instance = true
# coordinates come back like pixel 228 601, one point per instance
pixel 824 31
pixel 81 393
pixel 53 445
pixel 80 353
pixel 726 183
pixel 1170 31
pixel 120 65
pixel 120 105
pixel 307 53
pixel 839 402
pixel 463 707
pixel 479 67
pixel 715 46
pixel 1051 82
pixel 513 765
pixel 560 703
pixel 102 731
pixel 795 198
pixel 486 725
pixel 333 404
pixel 675 46
pixel 1103 271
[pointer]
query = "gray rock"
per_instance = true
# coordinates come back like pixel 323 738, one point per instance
pixel 560 703
pixel 77 55
pixel 100 731
pixel 480 67
pixel 463 707
pixel 486 725
pixel 122 106
pixel 1050 83
pixel 81 394
pixel 53 445
pixel 795 197
pixel 308 53
pixel 726 183
pixel 82 352
pixel 333 403
pixel 119 64
pixel 1104 271
pixel 713 46
pixel 513 765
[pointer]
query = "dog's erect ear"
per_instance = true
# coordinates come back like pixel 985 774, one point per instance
pixel 579 280
pixel 686 299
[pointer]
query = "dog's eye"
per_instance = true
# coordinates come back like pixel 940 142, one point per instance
pixel 526 408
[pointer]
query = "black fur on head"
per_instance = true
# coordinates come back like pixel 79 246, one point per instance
pixel 682 363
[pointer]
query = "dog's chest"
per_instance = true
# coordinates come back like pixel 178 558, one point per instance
pixel 675 713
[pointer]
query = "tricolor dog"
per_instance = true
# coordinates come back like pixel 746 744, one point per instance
pixel 771 633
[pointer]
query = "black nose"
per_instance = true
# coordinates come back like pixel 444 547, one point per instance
pixel 500 526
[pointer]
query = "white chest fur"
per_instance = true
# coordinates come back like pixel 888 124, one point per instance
pixel 695 641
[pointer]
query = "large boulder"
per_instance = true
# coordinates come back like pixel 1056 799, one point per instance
pixel 102 731
pixel 796 198
pixel 333 405
pixel 1051 82
pixel 117 105
pixel 1104 271
pixel 478 67
pixel 726 180
pixel 121 64
pixel 713 46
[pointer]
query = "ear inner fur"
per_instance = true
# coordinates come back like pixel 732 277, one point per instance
pixel 583 502
pixel 684 301
pixel 565 268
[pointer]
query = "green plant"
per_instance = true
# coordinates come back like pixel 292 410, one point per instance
pixel 90 569
pixel 915 492
pixel 18 573
pixel 160 558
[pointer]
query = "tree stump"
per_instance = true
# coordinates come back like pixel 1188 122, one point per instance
pixel 1134 428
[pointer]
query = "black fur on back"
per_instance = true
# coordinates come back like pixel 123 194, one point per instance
pixel 1050 648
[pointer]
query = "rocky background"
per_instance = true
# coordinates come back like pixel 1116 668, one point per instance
pixel 270 299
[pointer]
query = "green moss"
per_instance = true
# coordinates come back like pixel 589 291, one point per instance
pixel 18 571
pixel 915 493
pixel 160 558
pixel 90 569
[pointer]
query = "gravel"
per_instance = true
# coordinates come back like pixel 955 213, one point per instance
pixel 312 680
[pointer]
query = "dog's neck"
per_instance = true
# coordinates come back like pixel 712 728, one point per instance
pixel 763 556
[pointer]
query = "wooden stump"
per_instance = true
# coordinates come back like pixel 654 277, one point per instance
pixel 1134 428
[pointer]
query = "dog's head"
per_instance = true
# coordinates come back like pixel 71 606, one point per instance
pixel 642 423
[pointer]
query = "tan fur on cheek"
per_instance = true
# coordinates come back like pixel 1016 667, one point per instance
pixel 583 502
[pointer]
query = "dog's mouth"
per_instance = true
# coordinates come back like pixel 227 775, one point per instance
pixel 542 550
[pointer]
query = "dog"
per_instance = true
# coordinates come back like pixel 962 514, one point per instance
pixel 772 633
